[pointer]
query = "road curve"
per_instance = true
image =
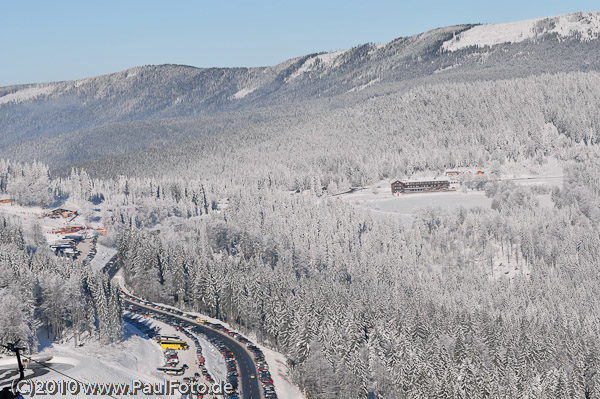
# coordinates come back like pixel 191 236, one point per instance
pixel 251 388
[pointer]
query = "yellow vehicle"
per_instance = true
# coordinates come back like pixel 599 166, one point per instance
pixel 199 320
pixel 179 345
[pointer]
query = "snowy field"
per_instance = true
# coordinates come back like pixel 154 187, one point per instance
pixel 378 198
pixel 28 215
pixel 383 204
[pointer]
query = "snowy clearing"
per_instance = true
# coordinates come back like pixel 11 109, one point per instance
pixel 378 198
pixel 242 93
pixel 383 204
pixel 318 62
pixel 586 25
pixel 27 94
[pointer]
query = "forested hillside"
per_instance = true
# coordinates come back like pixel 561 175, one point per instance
pixel 360 305
pixel 428 128
pixel 366 305
pixel 39 290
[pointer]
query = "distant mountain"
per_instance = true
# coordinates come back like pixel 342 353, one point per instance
pixel 120 109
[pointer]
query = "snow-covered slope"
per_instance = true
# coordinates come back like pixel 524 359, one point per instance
pixel 582 26
pixel 318 63
pixel 135 359
pixel 28 93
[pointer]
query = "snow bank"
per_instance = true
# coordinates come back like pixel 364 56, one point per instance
pixel 213 359
pixel 284 388
pixel 8 361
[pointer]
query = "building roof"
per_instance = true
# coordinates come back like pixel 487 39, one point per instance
pixel 421 180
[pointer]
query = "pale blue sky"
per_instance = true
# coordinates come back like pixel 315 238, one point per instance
pixel 43 41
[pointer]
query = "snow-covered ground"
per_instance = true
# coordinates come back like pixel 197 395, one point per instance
pixel 321 62
pixel 23 211
pixel 380 201
pixel 136 358
pixel 550 173
pixel 383 204
pixel 243 93
pixel 28 93
pixel 28 215
pixel 103 255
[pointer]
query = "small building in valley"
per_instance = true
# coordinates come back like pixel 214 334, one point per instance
pixel 416 186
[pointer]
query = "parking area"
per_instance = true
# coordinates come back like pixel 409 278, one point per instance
pixel 189 356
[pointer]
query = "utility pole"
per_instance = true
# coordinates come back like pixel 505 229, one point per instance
pixel 13 348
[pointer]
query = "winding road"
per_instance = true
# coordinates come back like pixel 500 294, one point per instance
pixel 250 387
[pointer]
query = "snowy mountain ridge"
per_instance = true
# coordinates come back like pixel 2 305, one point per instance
pixel 584 26
pixel 131 109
